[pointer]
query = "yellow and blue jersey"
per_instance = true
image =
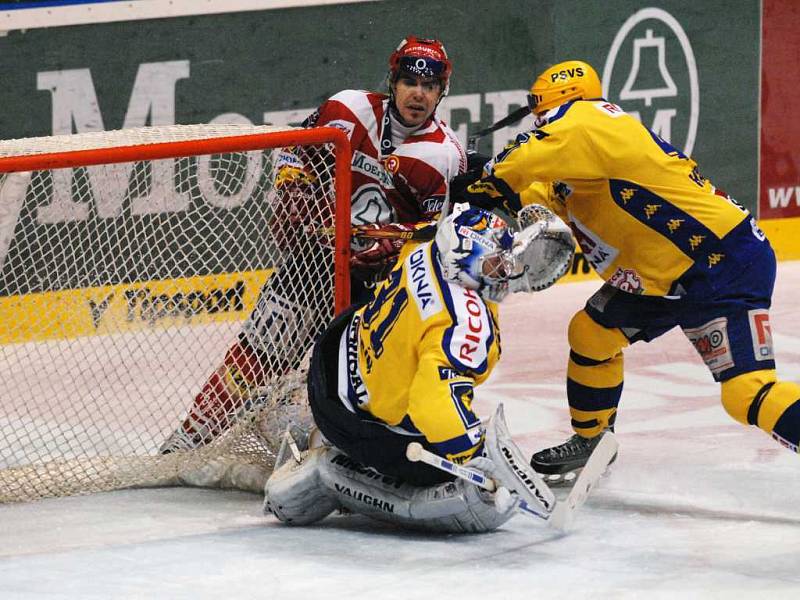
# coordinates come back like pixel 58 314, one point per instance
pixel 646 219
pixel 411 357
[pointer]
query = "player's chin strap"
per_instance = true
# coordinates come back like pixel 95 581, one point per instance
pixel 513 480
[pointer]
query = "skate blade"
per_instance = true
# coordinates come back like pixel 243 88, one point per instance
pixel 567 480
pixel 562 480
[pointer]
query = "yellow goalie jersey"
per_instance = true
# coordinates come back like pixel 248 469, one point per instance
pixel 645 218
pixel 411 357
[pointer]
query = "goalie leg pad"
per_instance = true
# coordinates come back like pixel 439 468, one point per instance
pixel 294 492
pixel 452 507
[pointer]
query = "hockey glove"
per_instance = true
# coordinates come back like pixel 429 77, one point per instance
pixel 544 246
pixel 377 257
pixel 488 193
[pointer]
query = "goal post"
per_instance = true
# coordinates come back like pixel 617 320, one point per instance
pixel 129 261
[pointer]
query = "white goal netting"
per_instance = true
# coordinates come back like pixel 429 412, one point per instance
pixel 129 261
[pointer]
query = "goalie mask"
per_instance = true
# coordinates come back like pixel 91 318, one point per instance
pixel 475 251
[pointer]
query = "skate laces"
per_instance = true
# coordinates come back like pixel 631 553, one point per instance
pixel 573 446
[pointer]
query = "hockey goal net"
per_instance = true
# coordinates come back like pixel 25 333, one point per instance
pixel 129 261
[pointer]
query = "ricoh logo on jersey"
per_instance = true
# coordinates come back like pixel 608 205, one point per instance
pixel 468 342
pixel 651 73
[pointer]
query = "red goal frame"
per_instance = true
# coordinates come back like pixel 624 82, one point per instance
pixel 219 145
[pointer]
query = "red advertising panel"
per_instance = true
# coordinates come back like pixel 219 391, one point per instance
pixel 779 195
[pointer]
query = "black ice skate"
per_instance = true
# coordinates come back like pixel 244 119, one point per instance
pixel 560 465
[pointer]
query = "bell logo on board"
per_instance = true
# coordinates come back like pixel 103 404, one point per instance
pixel 651 73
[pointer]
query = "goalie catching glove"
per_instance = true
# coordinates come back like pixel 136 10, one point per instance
pixel 544 246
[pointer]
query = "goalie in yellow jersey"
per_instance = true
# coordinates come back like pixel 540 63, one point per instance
pixel 402 369
pixel 673 250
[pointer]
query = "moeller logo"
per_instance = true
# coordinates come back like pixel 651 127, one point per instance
pixel 651 73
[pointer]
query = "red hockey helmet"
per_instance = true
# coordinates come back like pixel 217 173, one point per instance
pixel 422 58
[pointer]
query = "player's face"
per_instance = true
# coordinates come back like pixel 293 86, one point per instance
pixel 498 265
pixel 416 97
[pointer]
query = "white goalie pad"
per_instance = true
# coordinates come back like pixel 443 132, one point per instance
pixel 452 507
pixel 294 492
pixel 544 245
pixel 511 469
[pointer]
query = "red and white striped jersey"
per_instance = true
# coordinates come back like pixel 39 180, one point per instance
pixel 399 175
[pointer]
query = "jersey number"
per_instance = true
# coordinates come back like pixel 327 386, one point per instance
pixel 390 295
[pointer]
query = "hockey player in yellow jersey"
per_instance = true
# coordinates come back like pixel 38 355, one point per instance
pixel 673 250
pixel 402 368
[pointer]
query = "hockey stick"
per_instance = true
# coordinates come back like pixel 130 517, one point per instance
pixel 416 453
pixel 510 119
pixel 424 234
pixel 564 513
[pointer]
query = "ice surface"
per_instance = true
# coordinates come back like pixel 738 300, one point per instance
pixel 697 506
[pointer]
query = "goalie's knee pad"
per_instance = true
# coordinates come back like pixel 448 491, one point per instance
pixel 758 398
pixel 295 494
pixel 453 507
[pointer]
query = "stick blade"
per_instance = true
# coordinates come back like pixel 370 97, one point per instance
pixel 563 515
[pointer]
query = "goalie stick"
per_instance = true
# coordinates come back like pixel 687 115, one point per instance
pixel 563 515
pixel 416 453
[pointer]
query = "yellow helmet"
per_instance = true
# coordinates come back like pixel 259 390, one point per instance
pixel 560 83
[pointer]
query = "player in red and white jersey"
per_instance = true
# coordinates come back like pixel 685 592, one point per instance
pixel 401 167
pixel 404 157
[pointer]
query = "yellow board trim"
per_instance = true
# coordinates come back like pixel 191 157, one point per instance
pixel 129 307
pixel 784 235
